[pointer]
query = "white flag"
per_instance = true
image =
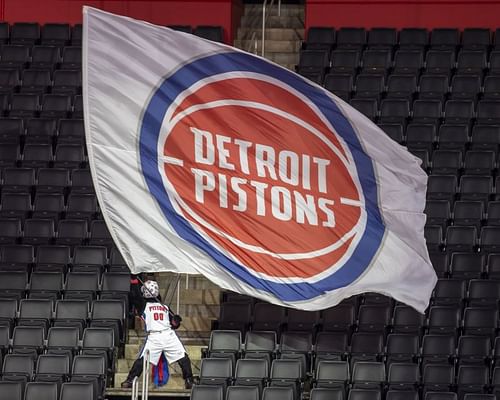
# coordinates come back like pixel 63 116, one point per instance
pixel 210 160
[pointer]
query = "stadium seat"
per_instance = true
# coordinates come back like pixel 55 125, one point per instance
pixel 472 379
pixel 41 391
pixel 351 38
pixel 366 347
pixel 402 348
pixel 453 137
pixel 214 33
pixel 414 38
pixel 326 394
pixel 216 371
pixel 467 265
pixel 297 346
pixel 55 34
pixel 485 137
pixel 76 391
pixel 45 57
pixel 370 86
pixel 72 313
pixel 445 38
pixel 480 321
pixel 473 350
pixel 268 317
pixel 72 58
pixel 403 377
pixel 439 62
pixel 252 372
pixel 241 393
pixel 11 390
pixel 476 38
pixel 286 374
pixel 320 38
pixel 465 87
pixel 483 292
pixel 52 368
pixel 344 61
pixel 437 349
pixel 438 378
pixel 408 62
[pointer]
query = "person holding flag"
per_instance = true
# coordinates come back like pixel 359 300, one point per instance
pixel 159 324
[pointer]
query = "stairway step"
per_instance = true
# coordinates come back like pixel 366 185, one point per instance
pixel 175 382
pixel 200 296
pixel 198 310
pixel 272 46
pixel 255 21
pixel 124 365
pixel 291 67
pixel 194 351
pixel 286 10
pixel 272 34
pixel 283 58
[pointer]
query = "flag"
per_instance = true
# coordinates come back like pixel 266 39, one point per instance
pixel 210 160
pixel 160 372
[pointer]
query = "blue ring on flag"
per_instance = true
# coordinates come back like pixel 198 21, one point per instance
pixel 235 61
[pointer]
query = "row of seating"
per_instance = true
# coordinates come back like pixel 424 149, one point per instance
pixel 438 87
pixel 46 181
pixel 60 254
pixel 24 105
pixel 47 308
pixel 454 162
pixel 39 155
pixel 463 238
pixel 41 130
pixel 336 375
pixel 46 391
pixel 63 34
pixel 207 392
pixel 405 346
pixel 30 33
pixel 448 300
pixel 444 317
pixel 16 58
pixel 49 206
pixel 472 213
pixel 71 232
pixel 314 64
pixel 40 81
pixel 460 137
pixel 326 37
pixel 468 187
pixel 401 111
pixel 57 340
pixel 466 265
pixel 20 371
pixel 51 285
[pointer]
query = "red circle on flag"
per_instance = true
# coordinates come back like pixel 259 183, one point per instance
pixel 254 169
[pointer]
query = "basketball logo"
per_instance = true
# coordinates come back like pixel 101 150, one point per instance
pixel 259 169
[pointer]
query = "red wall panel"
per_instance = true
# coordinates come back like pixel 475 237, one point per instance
pixel 226 13
pixel 403 13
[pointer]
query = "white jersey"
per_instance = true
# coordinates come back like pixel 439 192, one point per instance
pixel 161 337
pixel 156 317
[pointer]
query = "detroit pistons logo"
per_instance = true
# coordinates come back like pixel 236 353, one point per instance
pixel 260 170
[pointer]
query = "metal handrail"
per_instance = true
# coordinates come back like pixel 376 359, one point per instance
pixel 265 14
pixel 253 43
pixel 266 9
pixel 145 376
pixel 135 389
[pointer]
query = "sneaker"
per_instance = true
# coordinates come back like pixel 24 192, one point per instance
pixel 188 383
pixel 126 385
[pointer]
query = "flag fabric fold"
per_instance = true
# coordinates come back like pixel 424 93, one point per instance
pixel 209 160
